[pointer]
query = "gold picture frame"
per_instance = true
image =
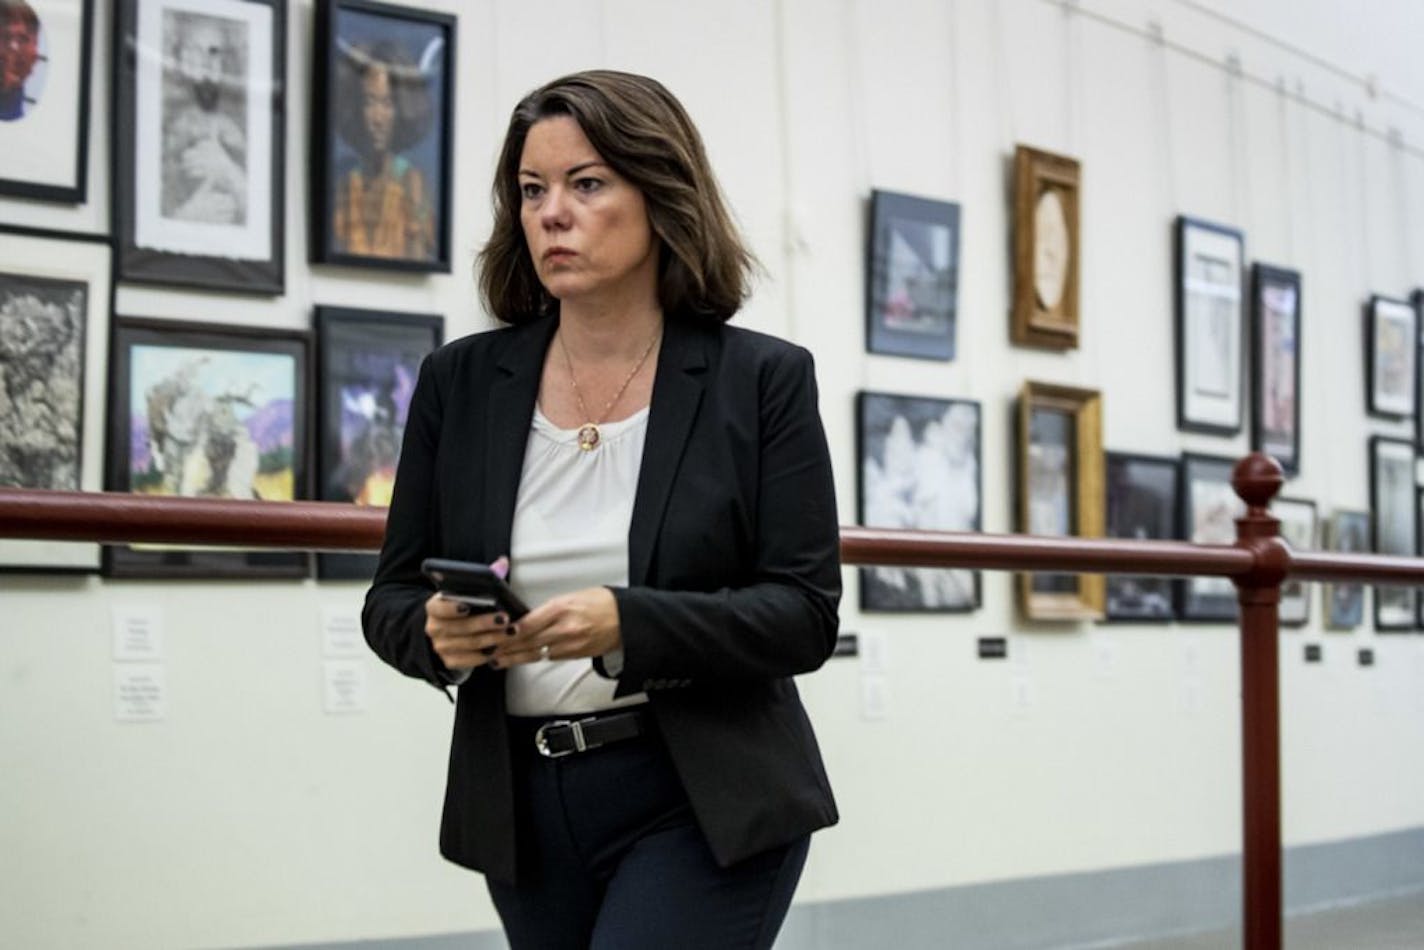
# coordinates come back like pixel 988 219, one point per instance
pixel 1046 249
pixel 1061 479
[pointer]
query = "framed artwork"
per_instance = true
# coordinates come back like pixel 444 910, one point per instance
pixel 1275 379
pixel 367 363
pixel 1046 249
pixel 1060 491
pixel 1210 508
pixel 54 333
pixel 1418 301
pixel 920 468
pixel 199 112
pixel 1141 504
pixel 44 98
pixel 912 284
pixel 1392 349
pixel 1394 526
pixel 383 121
pixel 1210 327
pixel 1347 531
pixel 1298 522
pixel 206 410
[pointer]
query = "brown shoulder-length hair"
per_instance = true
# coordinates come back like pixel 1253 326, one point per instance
pixel 645 135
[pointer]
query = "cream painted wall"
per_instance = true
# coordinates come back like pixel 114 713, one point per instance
pixel 249 817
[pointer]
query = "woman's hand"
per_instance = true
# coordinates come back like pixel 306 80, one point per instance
pixel 461 639
pixel 581 624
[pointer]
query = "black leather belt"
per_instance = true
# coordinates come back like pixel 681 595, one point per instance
pixel 562 737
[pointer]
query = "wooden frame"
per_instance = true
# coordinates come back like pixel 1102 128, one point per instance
pixel 1345 603
pixel 1391 358
pixel 1047 249
pixel 1211 332
pixel 1060 491
pixel 1275 353
pixel 1394 525
pixel 1141 493
pixel 1299 529
pixel 1210 508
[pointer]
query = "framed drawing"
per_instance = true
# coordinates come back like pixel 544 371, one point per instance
pixel 54 333
pixel 383 121
pixel 1347 531
pixel 1275 350
pixel 1060 491
pixel 367 364
pixel 1141 504
pixel 44 98
pixel 205 410
pixel 199 113
pixel 912 276
pixel 920 468
pixel 1394 525
pixel 1210 508
pixel 1210 328
pixel 1046 249
pixel 1297 519
pixel 1392 352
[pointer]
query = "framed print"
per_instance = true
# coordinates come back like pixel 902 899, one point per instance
pixel 1393 353
pixel 54 333
pixel 1347 531
pixel 1418 300
pixel 205 410
pixel 1275 350
pixel 383 121
pixel 1141 504
pixel 912 276
pixel 1046 249
pixel 1394 525
pixel 1297 519
pixel 1210 508
pixel 199 112
pixel 44 98
pixel 367 363
pixel 1060 492
pixel 1210 328
pixel 920 468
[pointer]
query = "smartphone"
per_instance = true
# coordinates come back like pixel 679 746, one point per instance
pixel 475 584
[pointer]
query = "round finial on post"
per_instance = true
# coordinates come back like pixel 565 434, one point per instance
pixel 1257 478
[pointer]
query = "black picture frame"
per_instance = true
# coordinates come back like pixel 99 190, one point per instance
pixel 46 153
pixel 1142 504
pixel 367 362
pixel 1209 509
pixel 56 298
pixel 1417 299
pixel 1348 532
pixel 202 381
pixel 1275 362
pixel 909 481
pixel 1391 358
pixel 1394 525
pixel 1299 528
pixel 351 35
pixel 912 276
pixel 1211 334
pixel 198 201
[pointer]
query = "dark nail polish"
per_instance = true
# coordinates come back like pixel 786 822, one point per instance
pixel 494 664
pixel 488 651
pixel 462 609
pixel 512 629
pixel 500 620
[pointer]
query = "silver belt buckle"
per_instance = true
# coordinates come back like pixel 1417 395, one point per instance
pixel 541 741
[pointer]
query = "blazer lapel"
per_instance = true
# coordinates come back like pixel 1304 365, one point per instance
pixel 512 394
pixel 677 392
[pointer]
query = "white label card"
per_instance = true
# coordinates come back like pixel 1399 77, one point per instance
pixel 140 692
pixel 341 632
pixel 138 633
pixel 345 686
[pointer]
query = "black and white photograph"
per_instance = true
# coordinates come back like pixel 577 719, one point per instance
pixel 912 281
pixel 1394 524
pixel 1298 529
pixel 1210 508
pixel 44 98
pixel 1393 357
pixel 198 143
pixel 1051 477
pixel 1141 505
pixel 54 327
pixel 920 468
pixel 1210 327
pixel 1346 532
pixel 1275 330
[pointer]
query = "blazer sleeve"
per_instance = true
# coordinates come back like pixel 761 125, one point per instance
pixel 784 620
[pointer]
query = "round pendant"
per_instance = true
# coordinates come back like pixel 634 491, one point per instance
pixel 588 437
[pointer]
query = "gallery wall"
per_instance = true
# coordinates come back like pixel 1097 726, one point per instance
pixel 248 815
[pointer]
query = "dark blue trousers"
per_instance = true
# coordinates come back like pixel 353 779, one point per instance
pixel 612 859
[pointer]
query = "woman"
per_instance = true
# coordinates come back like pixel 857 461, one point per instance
pixel 662 487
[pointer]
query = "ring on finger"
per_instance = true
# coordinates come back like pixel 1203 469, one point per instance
pixel 544 652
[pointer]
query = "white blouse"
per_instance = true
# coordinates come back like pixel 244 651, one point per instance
pixel 571 531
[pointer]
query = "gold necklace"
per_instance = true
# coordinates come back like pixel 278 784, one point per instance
pixel 588 435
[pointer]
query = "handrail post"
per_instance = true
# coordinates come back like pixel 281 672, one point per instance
pixel 1256 479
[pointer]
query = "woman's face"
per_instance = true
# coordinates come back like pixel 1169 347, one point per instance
pixel 377 107
pixel 586 226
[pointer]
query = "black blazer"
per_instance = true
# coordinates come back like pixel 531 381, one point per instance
pixel 734 573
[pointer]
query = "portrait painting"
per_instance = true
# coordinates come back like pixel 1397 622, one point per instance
pixel 1275 323
pixel 920 468
pixel 913 276
pixel 1394 525
pixel 1210 327
pixel 44 98
pixel 1393 350
pixel 383 115
pixel 367 363
pixel 1141 505
pixel 1298 529
pixel 1210 508
pixel 199 143
pixel 1347 532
